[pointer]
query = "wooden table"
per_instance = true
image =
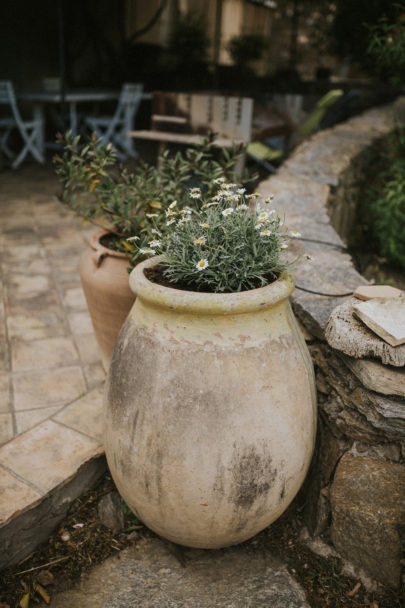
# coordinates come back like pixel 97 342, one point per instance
pixel 71 98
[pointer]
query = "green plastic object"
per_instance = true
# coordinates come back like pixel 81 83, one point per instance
pixel 260 150
pixel 265 155
pixel 312 122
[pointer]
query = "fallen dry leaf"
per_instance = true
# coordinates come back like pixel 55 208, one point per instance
pixel 45 596
pixel 25 601
pixel 354 590
pixel 45 578
pixel 326 491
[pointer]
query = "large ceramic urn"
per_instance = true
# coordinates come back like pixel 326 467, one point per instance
pixel 105 281
pixel 210 410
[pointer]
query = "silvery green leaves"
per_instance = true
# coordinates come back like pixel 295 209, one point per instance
pixel 135 203
pixel 226 244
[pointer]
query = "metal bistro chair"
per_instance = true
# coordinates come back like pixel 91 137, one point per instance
pixel 114 128
pixel 30 131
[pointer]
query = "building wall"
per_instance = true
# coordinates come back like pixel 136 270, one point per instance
pixel 238 17
pixel 138 15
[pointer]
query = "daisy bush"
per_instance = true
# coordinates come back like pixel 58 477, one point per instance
pixel 128 203
pixel 226 242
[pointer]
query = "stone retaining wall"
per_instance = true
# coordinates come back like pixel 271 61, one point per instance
pixel 355 492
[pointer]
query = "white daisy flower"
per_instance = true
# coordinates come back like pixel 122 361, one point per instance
pixel 295 234
pixel 154 231
pixel 147 251
pixel 195 193
pixel 183 221
pixel 241 190
pixel 227 211
pixel 219 180
pixel 258 225
pixel 202 264
pixel 155 243
pixel 170 222
pixel 205 225
pixel 283 246
pixel 242 207
pixel 172 205
pixel 151 214
pixel 263 216
pixel 265 232
pixel 269 199
pixel 132 238
pixel 200 241
pixel 186 211
pixel 169 212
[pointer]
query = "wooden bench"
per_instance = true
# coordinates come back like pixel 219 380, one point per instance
pixel 182 118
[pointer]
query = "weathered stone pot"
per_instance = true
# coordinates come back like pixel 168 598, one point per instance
pixel 105 282
pixel 210 410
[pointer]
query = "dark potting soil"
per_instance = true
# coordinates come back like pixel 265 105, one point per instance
pixel 110 240
pixel 156 275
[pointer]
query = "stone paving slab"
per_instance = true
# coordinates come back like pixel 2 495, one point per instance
pixel 47 454
pixel 84 415
pixel 51 376
pixel 149 575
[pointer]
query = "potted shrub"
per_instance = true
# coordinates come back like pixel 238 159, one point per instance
pixel 119 202
pixel 210 411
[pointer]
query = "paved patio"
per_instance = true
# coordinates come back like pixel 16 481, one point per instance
pixel 51 377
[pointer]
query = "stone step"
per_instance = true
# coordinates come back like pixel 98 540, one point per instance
pixel 149 575
pixel 43 470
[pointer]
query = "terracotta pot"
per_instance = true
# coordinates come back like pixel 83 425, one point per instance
pixel 105 282
pixel 210 410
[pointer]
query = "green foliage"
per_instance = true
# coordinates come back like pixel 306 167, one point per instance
pixel 221 245
pixel 189 42
pixel 350 28
pixel 246 48
pixel 387 210
pixel 387 46
pixel 98 189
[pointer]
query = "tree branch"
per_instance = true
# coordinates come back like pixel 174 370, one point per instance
pixel 150 24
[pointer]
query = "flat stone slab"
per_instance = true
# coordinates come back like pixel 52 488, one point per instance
pixel 149 575
pixel 367 292
pixel 377 377
pixel 385 317
pixel 350 336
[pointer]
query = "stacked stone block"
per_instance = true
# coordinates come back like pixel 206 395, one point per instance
pixel 355 491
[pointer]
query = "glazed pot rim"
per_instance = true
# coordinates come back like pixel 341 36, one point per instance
pixel 204 302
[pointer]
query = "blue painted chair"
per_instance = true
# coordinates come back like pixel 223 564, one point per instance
pixel 114 129
pixel 31 131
